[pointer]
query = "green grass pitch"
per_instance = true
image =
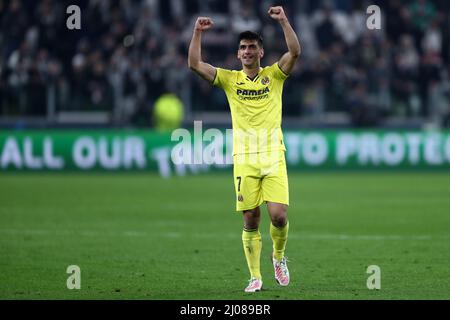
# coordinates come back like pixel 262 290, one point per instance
pixel 138 236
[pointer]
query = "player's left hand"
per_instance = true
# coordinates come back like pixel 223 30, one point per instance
pixel 277 13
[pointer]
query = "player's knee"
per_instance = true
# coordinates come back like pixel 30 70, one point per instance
pixel 251 218
pixel 251 223
pixel 279 216
pixel 279 221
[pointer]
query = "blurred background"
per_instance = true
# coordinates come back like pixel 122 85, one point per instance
pixel 129 54
pixel 107 97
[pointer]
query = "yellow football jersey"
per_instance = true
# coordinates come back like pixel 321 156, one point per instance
pixel 255 106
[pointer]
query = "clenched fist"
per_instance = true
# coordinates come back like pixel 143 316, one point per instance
pixel 277 13
pixel 203 23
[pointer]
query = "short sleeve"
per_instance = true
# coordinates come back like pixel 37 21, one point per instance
pixel 278 73
pixel 222 78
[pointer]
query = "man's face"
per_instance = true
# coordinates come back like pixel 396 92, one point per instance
pixel 250 52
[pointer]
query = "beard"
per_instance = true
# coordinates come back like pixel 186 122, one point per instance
pixel 249 61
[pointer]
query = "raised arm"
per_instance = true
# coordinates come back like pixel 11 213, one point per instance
pixel 288 60
pixel 205 70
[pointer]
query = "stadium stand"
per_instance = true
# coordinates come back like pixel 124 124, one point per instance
pixel 130 52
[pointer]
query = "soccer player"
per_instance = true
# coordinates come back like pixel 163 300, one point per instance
pixel 254 95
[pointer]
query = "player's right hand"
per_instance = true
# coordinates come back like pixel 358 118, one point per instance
pixel 203 23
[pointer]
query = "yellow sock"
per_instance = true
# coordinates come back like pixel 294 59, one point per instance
pixel 251 239
pixel 279 238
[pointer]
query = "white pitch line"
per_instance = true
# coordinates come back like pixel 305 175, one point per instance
pixel 176 235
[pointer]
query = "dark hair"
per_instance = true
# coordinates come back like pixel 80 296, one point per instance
pixel 250 35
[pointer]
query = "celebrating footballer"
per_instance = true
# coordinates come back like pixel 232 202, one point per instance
pixel 254 95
